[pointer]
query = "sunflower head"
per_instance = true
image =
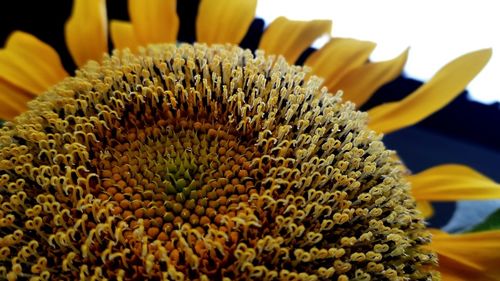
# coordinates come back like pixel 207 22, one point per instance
pixel 203 163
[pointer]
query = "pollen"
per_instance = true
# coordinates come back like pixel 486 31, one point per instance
pixel 188 162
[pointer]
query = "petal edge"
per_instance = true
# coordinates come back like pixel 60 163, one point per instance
pixel 154 21
pixel 14 100
pixel 290 38
pixel 338 57
pixel 446 84
pixel 123 35
pixel 359 84
pixel 86 31
pixel 453 182
pixel 455 256
pixel 30 64
pixel 224 21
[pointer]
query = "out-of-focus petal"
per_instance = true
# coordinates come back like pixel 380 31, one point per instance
pixel 123 35
pixel 359 84
pixel 13 100
pixel 30 64
pixel 290 38
pixel 432 96
pixel 154 21
pixel 86 31
pixel 453 182
pixel 469 256
pixel 338 57
pixel 426 209
pixel 224 21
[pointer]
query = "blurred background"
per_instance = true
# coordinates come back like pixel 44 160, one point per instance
pixel 466 131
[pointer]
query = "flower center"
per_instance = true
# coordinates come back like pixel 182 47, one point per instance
pixel 175 172
pixel 199 163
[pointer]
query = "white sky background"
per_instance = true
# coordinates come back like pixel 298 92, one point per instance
pixel 436 31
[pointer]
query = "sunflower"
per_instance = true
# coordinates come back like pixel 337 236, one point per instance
pixel 205 161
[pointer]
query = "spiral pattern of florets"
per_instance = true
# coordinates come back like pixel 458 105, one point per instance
pixel 202 163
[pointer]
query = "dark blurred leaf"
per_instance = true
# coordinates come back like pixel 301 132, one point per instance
pixel 492 222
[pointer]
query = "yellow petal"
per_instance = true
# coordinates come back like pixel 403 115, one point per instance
pixel 470 256
pixel 86 31
pixel 224 21
pixel 30 64
pixel 123 35
pixel 13 100
pixel 453 182
pixel 338 57
pixel 359 84
pixel 429 98
pixel 154 21
pixel 290 38
pixel 450 270
pixel 426 208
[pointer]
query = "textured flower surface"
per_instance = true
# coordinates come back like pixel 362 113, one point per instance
pixel 203 162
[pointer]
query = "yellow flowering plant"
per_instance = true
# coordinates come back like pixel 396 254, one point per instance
pixel 169 160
